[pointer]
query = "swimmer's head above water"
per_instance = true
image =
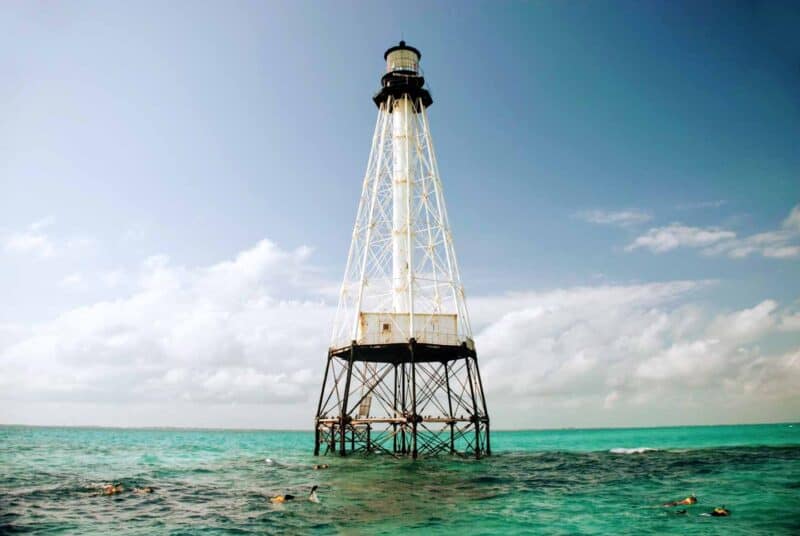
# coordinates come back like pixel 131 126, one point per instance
pixel 691 499
pixel 280 499
pixel 112 489
pixel 720 511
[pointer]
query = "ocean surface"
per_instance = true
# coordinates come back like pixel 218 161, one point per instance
pixel 607 481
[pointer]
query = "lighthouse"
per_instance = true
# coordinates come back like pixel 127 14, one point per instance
pixel 402 375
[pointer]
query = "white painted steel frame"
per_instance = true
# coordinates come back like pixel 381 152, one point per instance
pixel 402 257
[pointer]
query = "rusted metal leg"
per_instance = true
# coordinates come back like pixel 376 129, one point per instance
pixel 475 417
pixel 344 415
pixel 450 408
pixel 411 344
pixel 485 410
pixel 394 408
pixel 405 413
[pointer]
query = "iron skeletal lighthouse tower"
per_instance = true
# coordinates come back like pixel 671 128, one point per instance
pixel 402 372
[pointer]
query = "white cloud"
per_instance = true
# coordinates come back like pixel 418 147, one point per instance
pixel 782 252
pixel 771 378
pixel 748 324
pixel 32 240
pixel 781 243
pixel 188 344
pixel 692 363
pixel 790 322
pixel 675 235
pixel 216 334
pixel 647 351
pixel 622 218
pixel 774 244
pixel 792 221
pixel 37 241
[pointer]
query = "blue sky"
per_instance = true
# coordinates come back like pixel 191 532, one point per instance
pixel 649 151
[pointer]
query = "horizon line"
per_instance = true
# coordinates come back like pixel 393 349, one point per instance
pixel 311 430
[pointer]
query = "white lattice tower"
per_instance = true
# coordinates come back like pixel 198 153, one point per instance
pixel 402 344
pixel 402 264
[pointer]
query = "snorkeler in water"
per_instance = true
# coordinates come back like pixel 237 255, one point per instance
pixel 112 489
pixel 143 491
pixel 280 499
pixel 691 499
pixel 719 511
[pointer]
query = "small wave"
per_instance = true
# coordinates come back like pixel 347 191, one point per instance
pixel 637 450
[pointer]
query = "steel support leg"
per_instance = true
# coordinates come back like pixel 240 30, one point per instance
pixel 405 412
pixel 450 408
pixel 475 416
pixel 485 410
pixel 394 408
pixel 317 437
pixel 343 411
pixel 413 398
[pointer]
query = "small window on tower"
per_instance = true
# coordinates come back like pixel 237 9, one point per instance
pixel 387 327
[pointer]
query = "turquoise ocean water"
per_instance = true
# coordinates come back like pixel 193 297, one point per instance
pixel 545 482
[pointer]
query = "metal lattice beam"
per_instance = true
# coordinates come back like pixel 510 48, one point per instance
pixel 402 374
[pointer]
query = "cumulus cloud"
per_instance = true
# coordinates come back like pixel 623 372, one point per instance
pixel 621 218
pixel 748 324
pixel 645 351
pixel 780 243
pixel 242 342
pixel 221 333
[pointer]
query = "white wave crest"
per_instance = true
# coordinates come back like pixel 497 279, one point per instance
pixel 637 450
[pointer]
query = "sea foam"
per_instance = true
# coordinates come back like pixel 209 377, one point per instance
pixel 637 450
